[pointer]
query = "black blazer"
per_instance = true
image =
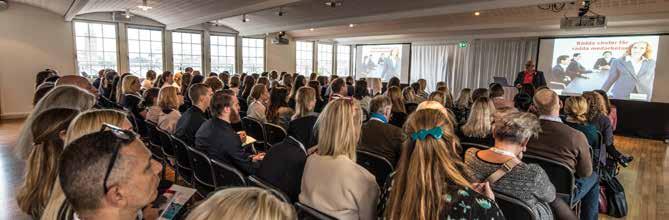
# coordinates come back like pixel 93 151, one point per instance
pixel 188 124
pixel 538 80
pixel 222 143
pixel 283 167
pixel 303 130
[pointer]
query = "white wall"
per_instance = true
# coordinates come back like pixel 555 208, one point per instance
pixel 31 40
pixel 280 57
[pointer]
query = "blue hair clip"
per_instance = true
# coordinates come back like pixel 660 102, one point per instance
pixel 436 132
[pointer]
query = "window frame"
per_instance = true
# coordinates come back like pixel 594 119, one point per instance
pixel 264 57
pixel 297 59
pixel 331 58
pixel 74 38
pixel 236 45
pixel 350 52
pixel 162 43
pixel 202 45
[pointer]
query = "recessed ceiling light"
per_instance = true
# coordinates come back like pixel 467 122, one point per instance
pixel 245 19
pixel 351 25
pixel 477 13
pixel 144 6
pixel 311 29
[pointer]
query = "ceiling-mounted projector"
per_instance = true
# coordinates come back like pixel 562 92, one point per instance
pixel 4 4
pixel 583 22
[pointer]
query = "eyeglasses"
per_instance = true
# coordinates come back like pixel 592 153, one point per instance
pixel 126 136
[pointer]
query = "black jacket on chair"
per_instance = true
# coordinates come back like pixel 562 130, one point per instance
pixel 538 80
pixel 223 144
pixel 283 167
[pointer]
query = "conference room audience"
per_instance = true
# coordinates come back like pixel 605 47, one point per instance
pixel 478 128
pixel 463 105
pixel 278 111
pixel 320 101
pixel 361 93
pixel 597 116
pixel 257 108
pixel 480 92
pixel 566 145
pixel 349 191
pixel 576 110
pixel 243 203
pixel 442 191
pixel 169 101
pixel 49 128
pixel 410 96
pixel 497 96
pixel 191 120
pixel 217 136
pixel 248 83
pixel 99 191
pixel 526 182
pixel 399 113
pixel 298 83
pixel 378 136
pixel 147 83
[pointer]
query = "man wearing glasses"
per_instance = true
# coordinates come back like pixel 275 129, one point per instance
pixel 109 175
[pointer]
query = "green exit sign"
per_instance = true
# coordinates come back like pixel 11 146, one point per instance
pixel 463 44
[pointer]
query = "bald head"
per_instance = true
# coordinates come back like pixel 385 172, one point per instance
pixel 78 81
pixel 547 102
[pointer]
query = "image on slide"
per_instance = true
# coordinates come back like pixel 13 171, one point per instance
pixel 622 66
pixel 380 61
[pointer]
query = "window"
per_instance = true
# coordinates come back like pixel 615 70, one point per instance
pixel 222 53
pixel 187 51
pixel 343 60
pixel 253 55
pixel 96 47
pixel 145 51
pixel 325 59
pixel 304 57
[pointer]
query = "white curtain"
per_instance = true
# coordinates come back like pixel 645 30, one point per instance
pixel 429 62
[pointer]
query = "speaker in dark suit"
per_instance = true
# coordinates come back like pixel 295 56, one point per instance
pixel 530 75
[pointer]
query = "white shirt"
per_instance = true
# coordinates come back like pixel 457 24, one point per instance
pixel 636 64
pixel 551 118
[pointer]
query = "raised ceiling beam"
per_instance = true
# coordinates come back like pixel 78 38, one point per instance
pixel 75 8
pixel 229 13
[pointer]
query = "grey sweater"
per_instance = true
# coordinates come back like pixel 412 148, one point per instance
pixel 525 182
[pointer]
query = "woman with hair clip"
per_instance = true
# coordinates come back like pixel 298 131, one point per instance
pixel 349 191
pixel 243 203
pixel 478 128
pixel 278 111
pixel 299 81
pixel 441 191
pixel 42 164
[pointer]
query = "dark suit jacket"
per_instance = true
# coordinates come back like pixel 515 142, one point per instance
pixel 558 141
pixel 575 69
pixel 602 62
pixel 283 166
pixel 624 81
pixel 189 123
pixel 303 130
pixel 382 139
pixel 558 74
pixel 538 80
pixel 223 144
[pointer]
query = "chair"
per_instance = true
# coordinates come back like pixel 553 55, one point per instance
pixel 167 148
pixel 256 181
pixel 182 164
pixel 514 208
pixel 154 144
pixel 203 172
pixel 410 107
pixel 304 212
pixel 560 175
pixel 274 134
pixel 255 129
pixel 377 165
pixel 398 119
pixel 225 175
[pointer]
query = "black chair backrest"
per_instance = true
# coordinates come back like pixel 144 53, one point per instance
pixel 304 212
pixel 256 181
pixel 254 129
pixel 560 175
pixel 227 175
pixel 243 106
pixel 166 142
pixel 514 208
pixel 182 163
pixel 274 133
pixel 411 107
pixel 398 119
pixel 375 164
pixel 203 172
pixel 154 141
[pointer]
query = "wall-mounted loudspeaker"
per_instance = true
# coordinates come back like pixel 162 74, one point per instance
pixel 4 5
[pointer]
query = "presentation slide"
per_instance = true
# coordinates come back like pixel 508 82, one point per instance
pixel 624 66
pixel 383 61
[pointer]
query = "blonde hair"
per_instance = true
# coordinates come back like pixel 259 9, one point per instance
pixel 448 98
pixel 479 123
pixel 64 96
pixel 647 54
pixel 438 106
pixel 596 105
pixel 168 97
pixel 464 99
pixel 339 128
pixel 395 94
pixel 243 203
pixel 177 78
pixel 127 84
pixel 576 108
pixel 425 170
pixel 304 96
pixel 409 94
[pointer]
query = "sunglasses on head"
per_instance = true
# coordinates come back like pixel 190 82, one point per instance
pixel 126 136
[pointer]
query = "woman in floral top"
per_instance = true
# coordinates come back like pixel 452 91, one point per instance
pixel 428 183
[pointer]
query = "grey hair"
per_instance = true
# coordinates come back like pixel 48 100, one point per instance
pixel 516 127
pixel 64 96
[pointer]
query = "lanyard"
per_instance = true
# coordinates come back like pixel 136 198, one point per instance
pixel 503 152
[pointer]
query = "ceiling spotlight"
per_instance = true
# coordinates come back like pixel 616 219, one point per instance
pixel 244 19
pixel 281 12
pixel 145 5
pixel 477 13
pixel 334 3
pixel 351 25
pixel 311 29
pixel 127 14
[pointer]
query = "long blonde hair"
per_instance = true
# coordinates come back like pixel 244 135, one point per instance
pixel 64 96
pixel 42 163
pixel 127 85
pixel 243 203
pixel 464 99
pixel 576 108
pixel 426 170
pixel 479 123
pixel 168 97
pixel 395 94
pixel 339 128
pixel 305 95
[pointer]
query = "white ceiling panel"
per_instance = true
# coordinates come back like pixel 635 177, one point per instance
pixel 57 6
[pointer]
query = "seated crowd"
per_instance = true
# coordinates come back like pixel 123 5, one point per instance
pixel 86 156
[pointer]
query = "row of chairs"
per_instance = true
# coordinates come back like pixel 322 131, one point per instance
pixel 266 134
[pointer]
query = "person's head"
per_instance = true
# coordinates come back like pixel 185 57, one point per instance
pixel 317 87
pixel 213 74
pixel 563 60
pixel 298 83
pixel 214 83
pixel 547 102
pixel 422 85
pixel 480 118
pixel 265 81
pixel 496 90
pixel 323 80
pixel 607 101
pixel 243 203
pixel 313 76
pixel 49 128
pixel 110 75
pixel 42 91
pixel 349 80
pixel 151 75
pixel 529 65
pixel 394 82
pixel 78 81
pixel 42 76
pixel 151 97
pixel 186 81
pixel 480 92
pixel 224 106
pixel 441 84
pixel 130 85
pixel 381 104
pixel 108 172
pixel 640 49
pixel 339 128
pixel 234 81
pixel 274 75
pixel 409 94
pixel 225 77
pixel 196 73
pixel 576 109
pixel 415 86
pixel 189 69
pixel 196 79
pixel 417 192
pixel 92 120
pixel 577 56
pixel 464 99
pixel 249 81
pixel 437 96
pixel 607 54
pixel 522 102
pixel 395 94
pixel 360 89
pixel 200 94
pixel 287 80
pixel 167 78
pixel 277 98
pixel 169 98
pixel 338 86
pixel 333 77
pixel 516 129
pixel 259 92
pixel 305 102
pixel 596 105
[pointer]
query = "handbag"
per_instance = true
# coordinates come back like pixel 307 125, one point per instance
pixel 603 202
pixel 615 197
